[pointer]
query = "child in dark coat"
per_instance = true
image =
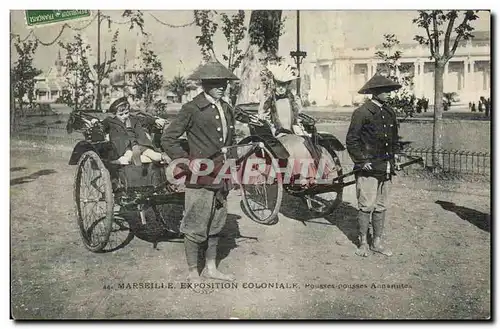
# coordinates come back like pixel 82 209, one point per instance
pixel 128 135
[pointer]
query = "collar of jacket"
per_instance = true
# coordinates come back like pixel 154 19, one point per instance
pixel 374 106
pixel 203 102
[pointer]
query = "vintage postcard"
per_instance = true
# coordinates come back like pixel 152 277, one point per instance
pixel 250 164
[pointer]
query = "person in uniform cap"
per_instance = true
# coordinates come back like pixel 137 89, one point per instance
pixel 128 136
pixel 209 124
pixel 372 143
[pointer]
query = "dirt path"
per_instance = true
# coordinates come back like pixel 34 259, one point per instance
pixel 441 268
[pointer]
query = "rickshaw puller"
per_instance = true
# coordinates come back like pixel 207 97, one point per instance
pixel 373 144
pixel 209 124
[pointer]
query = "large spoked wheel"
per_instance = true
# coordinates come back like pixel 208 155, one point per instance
pixel 94 201
pixel 262 187
pixel 323 204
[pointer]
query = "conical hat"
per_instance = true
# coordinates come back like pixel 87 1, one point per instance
pixel 212 70
pixel 379 81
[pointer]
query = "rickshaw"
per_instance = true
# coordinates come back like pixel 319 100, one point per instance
pixel 262 201
pixel 100 185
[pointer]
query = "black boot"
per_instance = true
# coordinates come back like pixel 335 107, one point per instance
pixel 363 223
pixel 211 270
pixel 378 221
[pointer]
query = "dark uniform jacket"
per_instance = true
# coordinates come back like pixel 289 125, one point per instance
pixel 201 122
pixel 373 137
pixel 122 138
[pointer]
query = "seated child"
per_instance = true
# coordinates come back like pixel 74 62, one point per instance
pixel 128 135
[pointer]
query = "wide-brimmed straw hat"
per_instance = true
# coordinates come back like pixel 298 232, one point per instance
pixel 378 82
pixel 212 70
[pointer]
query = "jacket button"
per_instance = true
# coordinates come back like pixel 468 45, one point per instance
pixel 386 144
pixel 217 117
pixel 220 139
pixel 218 129
pixel 385 135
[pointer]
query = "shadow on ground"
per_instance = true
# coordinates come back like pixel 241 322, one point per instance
pixel 13 169
pixel 31 177
pixel 344 216
pixel 162 225
pixel 477 218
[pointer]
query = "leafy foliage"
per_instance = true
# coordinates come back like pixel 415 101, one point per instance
pixel 23 72
pixel 403 100
pixel 234 31
pixel 434 22
pixel 136 19
pixel 267 27
pixel 150 80
pixel 80 79
pixel 178 85
pixel 205 20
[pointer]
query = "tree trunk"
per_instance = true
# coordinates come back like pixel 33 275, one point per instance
pixel 263 30
pixel 437 132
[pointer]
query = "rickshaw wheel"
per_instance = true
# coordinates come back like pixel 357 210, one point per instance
pixel 94 202
pixel 325 203
pixel 262 197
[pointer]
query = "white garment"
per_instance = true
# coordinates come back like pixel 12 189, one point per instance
pixel 285 113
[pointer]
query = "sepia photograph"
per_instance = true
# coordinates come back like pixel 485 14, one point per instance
pixel 250 164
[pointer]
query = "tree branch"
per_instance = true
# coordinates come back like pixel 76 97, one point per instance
pixel 459 36
pixel 436 35
pixel 431 43
pixel 447 36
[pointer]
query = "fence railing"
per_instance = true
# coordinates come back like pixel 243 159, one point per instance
pixel 449 161
pixel 455 161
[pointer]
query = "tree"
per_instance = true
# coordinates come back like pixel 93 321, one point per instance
pixel 440 30
pixel 206 21
pixel 178 85
pixel 23 77
pixel 234 31
pixel 150 79
pixel 136 19
pixel 105 68
pixel 264 31
pixel 403 100
pixel 79 78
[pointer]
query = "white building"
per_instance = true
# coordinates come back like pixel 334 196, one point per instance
pixel 338 73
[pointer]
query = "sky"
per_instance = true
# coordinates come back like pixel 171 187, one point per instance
pixel 180 54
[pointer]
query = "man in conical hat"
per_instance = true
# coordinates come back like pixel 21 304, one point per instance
pixel 372 143
pixel 209 124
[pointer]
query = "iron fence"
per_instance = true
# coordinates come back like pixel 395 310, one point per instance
pixel 454 162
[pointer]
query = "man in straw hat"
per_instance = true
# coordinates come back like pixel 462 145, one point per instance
pixel 208 122
pixel 372 143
